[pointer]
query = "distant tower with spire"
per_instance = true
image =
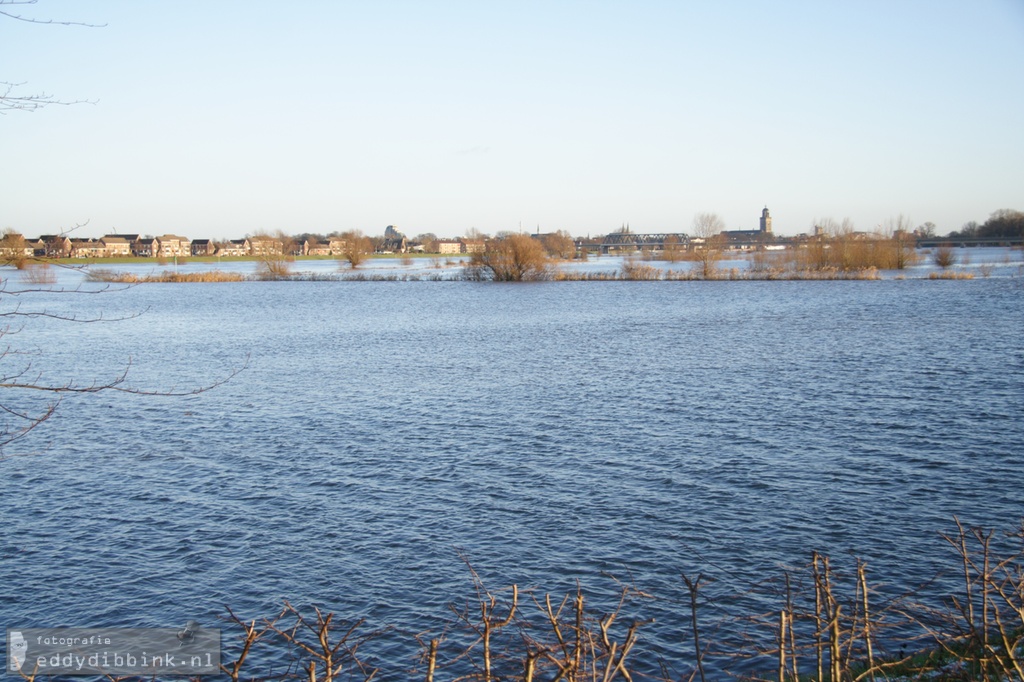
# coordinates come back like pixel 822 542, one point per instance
pixel 766 221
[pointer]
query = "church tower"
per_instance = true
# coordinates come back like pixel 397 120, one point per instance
pixel 766 221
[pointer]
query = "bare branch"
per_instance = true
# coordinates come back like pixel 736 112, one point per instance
pixel 32 20
pixel 115 385
pixel 9 101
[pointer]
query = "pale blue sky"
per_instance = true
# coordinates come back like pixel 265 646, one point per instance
pixel 220 118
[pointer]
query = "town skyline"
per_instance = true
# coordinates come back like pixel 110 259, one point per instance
pixel 1004 227
pixel 444 117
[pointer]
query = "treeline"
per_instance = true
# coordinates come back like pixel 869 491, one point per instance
pixel 1003 224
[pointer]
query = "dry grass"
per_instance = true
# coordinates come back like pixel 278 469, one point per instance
pixel 634 270
pixel 850 252
pixel 210 276
pixel 571 276
pixel 951 274
pixel 171 277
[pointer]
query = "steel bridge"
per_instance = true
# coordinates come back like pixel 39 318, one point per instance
pixel 632 241
pixel 932 242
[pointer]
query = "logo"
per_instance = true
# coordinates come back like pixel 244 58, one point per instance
pixel 17 650
pixel 145 652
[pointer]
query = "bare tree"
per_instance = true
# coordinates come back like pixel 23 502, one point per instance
pixel 357 247
pixel 898 247
pixel 708 228
pixel 1004 223
pixel 273 253
pixel 560 244
pixel 13 249
pixel 428 240
pixel 832 246
pixel 673 249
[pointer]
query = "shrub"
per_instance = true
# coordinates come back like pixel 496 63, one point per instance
pixel 112 276
pixel 673 250
pixel 39 273
pixel 273 266
pixel 516 258
pixel 944 256
pixel 559 245
pixel 639 271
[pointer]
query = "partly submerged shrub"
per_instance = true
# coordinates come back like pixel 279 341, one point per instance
pixel 944 256
pixel 516 258
pixel 633 270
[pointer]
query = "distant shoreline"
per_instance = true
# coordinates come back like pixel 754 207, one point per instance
pixel 143 260
pixel 802 265
pixel 218 276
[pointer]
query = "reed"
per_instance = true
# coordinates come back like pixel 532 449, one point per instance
pixel 38 274
pixel 111 276
pixel 830 624
pixel 847 251
pixel 951 274
pixel 634 270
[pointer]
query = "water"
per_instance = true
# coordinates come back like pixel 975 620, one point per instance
pixel 546 433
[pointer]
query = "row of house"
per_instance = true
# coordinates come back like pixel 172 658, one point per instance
pixel 117 245
pixel 456 246
pixel 169 246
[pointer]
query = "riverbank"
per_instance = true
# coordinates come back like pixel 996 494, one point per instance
pixel 631 274
pixel 978 263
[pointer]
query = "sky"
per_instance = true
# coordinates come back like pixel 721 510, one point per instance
pixel 223 118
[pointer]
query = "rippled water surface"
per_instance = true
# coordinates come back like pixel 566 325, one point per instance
pixel 547 432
